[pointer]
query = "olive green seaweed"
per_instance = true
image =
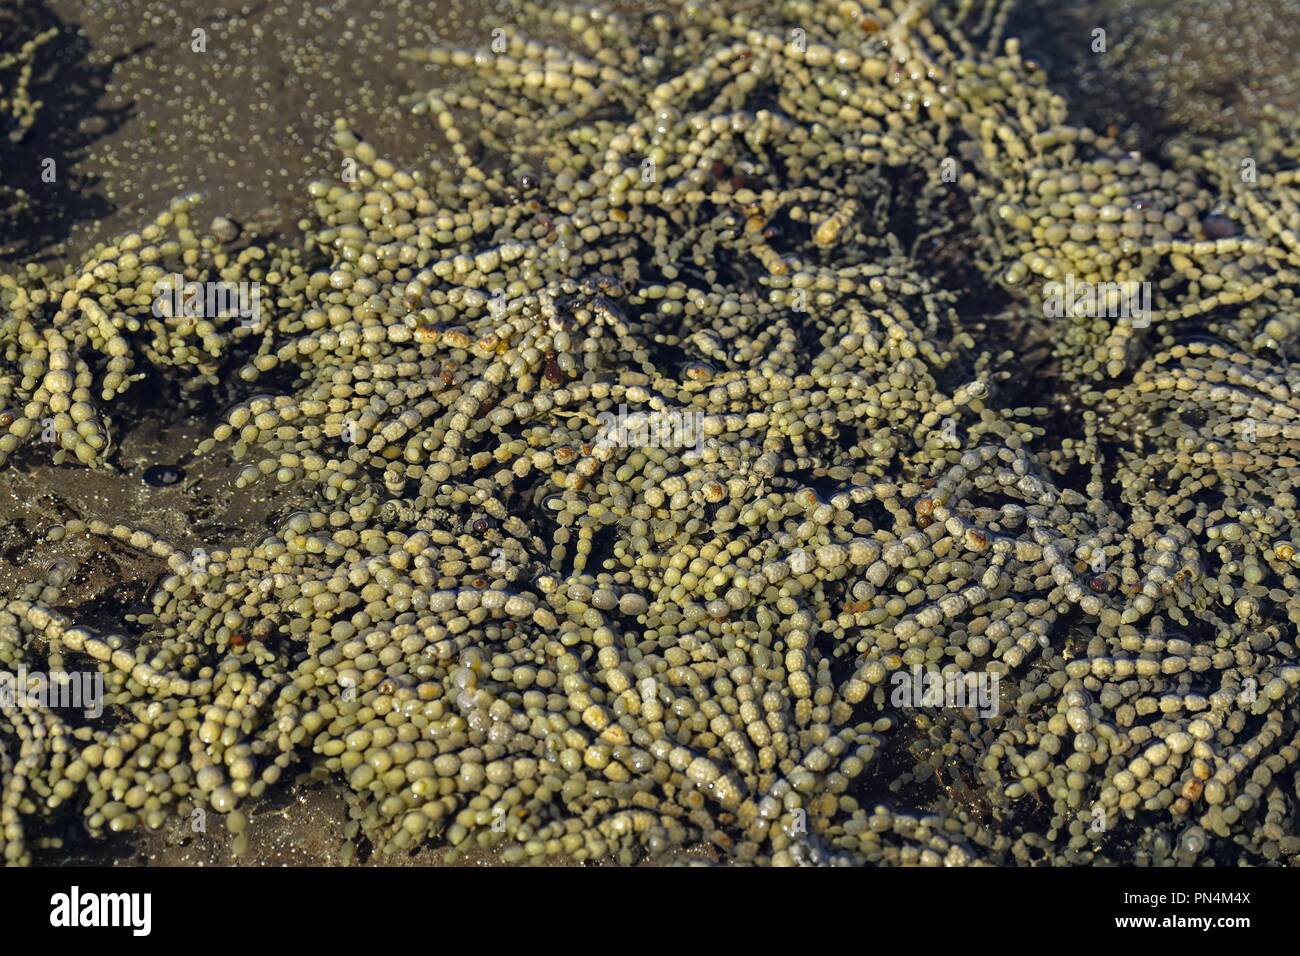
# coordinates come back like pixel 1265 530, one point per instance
pixel 503 623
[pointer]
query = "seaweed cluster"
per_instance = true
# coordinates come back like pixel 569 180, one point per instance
pixel 665 423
